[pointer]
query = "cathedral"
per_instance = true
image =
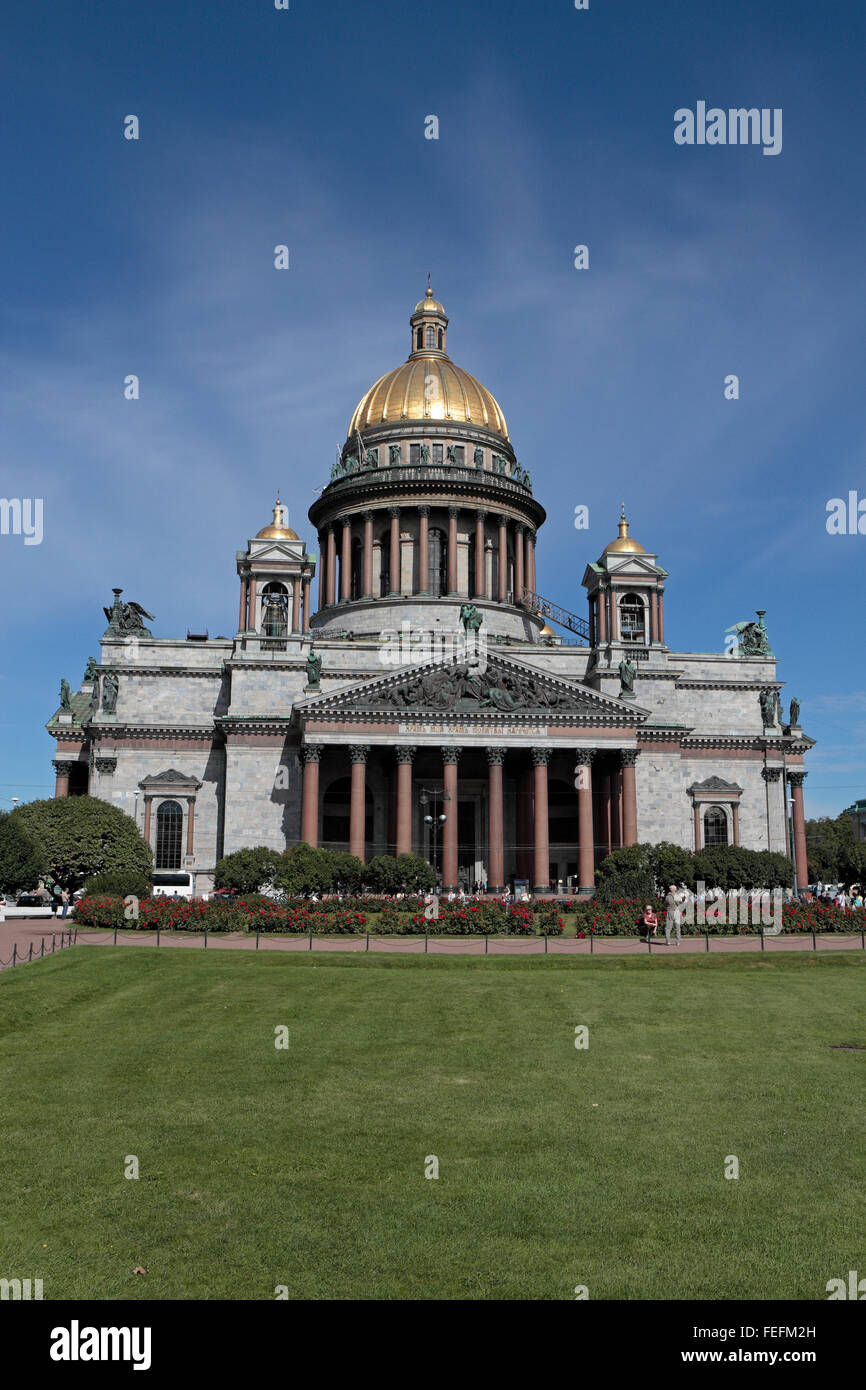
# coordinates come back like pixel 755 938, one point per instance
pixel 426 704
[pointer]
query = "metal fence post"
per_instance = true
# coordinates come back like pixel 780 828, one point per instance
pixel 157 933
pixel 53 943
pixel 30 955
pixel 311 936
pixel 545 943
pixel 205 938
pixel 115 936
pixel 814 942
pixel 426 940
pixel 367 947
pixel 862 940
pixel 43 946
pixel 591 948
pixel 762 938
pixel 707 935
pixel 14 953
pixel 257 938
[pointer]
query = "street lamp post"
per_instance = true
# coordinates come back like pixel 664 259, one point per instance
pixel 435 820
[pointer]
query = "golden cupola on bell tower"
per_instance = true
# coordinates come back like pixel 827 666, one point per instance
pixel 428 327
pixel 625 588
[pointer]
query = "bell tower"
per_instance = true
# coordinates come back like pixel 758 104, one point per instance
pixel 275 573
pixel 625 591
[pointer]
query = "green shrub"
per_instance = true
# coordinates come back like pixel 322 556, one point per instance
pixel 119 883
pixel 248 870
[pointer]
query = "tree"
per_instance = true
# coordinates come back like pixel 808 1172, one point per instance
pixel 415 874
pixel 303 870
pixel 347 871
pixel 672 864
pixel 21 862
pixel 382 874
pixel 827 843
pixel 77 836
pixel 248 870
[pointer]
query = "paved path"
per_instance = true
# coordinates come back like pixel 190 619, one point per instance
pixel 24 933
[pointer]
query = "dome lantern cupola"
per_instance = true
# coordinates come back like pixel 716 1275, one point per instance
pixel 428 327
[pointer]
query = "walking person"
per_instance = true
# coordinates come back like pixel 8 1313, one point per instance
pixel 672 914
pixel 64 898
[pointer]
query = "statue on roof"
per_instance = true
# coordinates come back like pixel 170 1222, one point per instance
pixel 126 619
pixel 753 637
pixel 314 669
pixel 91 671
pixel 110 686
pixel 65 695
pixel 627 673
pixel 794 716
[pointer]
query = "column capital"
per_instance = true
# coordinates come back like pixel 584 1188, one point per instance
pixel 771 774
pixel 311 752
pixel 585 757
pixel 423 510
pixel 405 753
pixel 796 779
pixel 394 511
pixel 540 757
pixel 358 752
pixel 628 757
pixel 454 511
pixel 450 754
pixel 105 766
pixel 531 534
pixel 368 515
pixel 502 520
pixel 520 528
pixel 496 756
pixel 62 766
pixel 480 515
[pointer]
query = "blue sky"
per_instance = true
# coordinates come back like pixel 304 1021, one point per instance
pixel 306 127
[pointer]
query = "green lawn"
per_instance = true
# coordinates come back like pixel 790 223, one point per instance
pixel 558 1167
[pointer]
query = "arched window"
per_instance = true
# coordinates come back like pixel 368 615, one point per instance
pixel 169 827
pixel 715 827
pixel 357 569
pixel 431 336
pixel 632 623
pixel 385 564
pixel 437 563
pixel 441 339
pixel 275 610
pixel 419 338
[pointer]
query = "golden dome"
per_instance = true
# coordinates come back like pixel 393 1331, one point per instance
pixel 624 543
pixel 451 394
pixel 547 630
pixel 428 385
pixel 429 305
pixel 276 531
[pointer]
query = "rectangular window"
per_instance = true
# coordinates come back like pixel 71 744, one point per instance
pixel 414 453
pixel 459 454
pixel 437 453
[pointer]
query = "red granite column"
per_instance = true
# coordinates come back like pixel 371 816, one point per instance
pixel 503 559
pixel 323 543
pixel 62 769
pixel 629 798
pixel 495 823
pixel 312 752
pixel 358 803
pixel 346 563
pixel 452 550
pixel 296 604
pixel 332 567
pixel 367 586
pixel 405 756
pixel 190 825
pixel 251 619
pixel 423 549
pixel 585 837
pixel 242 615
pixel 661 616
pixel 450 757
pixel 654 616
pixel 541 860
pixel 306 618
pixel 530 561
pixel 606 812
pixel 614 617
pixel 480 589
pixel 602 617
pixel 394 584
pixel 518 566
pixel 698 845
pixel 801 854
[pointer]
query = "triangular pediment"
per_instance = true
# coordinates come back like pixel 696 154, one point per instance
pixel 498 686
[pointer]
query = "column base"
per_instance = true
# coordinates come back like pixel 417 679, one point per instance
pixel 495 889
pixel 586 892
pixel 450 888
pixel 541 887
